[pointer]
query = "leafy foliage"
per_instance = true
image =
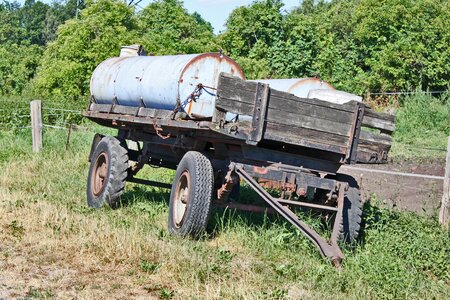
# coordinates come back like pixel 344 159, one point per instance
pixel 81 45
pixel 357 45
pixel 165 27
pixel 17 67
pixel 251 33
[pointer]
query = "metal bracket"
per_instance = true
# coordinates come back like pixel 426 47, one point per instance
pixel 352 147
pixel 259 114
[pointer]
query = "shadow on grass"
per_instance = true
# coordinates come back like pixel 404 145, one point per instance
pixel 140 193
pixel 374 217
pixel 222 219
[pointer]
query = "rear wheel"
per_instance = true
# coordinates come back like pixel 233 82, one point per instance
pixel 191 195
pixel 107 173
pixel 350 226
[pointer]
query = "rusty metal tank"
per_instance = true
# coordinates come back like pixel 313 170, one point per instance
pixel 162 82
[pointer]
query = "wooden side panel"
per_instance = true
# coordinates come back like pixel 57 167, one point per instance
pixel 303 122
pixel 310 123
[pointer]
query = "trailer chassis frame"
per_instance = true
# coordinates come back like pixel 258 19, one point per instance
pixel 233 157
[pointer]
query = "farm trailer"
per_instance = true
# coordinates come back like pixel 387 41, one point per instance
pixel 274 140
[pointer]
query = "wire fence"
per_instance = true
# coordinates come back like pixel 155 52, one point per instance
pixel 408 93
pixel 15 115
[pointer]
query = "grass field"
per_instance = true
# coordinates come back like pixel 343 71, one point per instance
pixel 53 246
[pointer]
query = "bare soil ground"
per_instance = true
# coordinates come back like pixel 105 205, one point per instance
pixel 419 195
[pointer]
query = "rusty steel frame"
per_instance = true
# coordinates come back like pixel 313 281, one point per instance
pixel 329 249
pixel 237 158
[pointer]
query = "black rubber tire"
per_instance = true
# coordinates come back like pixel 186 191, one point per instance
pixel 352 213
pixel 117 172
pixel 199 195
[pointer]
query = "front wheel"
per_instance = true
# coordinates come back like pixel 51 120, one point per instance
pixel 107 173
pixel 191 195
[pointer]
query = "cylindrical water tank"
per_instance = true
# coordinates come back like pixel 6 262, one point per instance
pixel 311 88
pixel 299 87
pixel 162 81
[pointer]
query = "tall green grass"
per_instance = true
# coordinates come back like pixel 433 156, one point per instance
pixel 422 125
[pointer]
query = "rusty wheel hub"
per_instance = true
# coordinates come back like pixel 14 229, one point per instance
pixel 181 199
pixel 99 178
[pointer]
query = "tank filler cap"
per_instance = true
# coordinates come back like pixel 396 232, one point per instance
pixel 132 50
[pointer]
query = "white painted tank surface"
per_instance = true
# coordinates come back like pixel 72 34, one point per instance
pixel 299 87
pixel 160 81
pixel 335 96
pixel 312 88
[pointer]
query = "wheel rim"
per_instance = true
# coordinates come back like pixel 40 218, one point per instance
pixel 99 178
pixel 181 198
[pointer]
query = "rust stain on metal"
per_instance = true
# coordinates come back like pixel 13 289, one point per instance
pixel 215 56
pixel 230 180
pixel 260 170
pixel 311 80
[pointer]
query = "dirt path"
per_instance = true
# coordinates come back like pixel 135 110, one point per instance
pixel 420 195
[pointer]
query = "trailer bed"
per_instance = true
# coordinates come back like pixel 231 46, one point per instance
pixel 271 119
pixel 353 130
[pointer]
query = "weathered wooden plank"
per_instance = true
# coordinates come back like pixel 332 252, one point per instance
pixel 372 146
pixel 444 211
pixel 36 124
pixel 305 137
pixel 234 106
pixel 381 116
pixel 130 110
pixel 235 88
pixel 100 107
pixel 154 113
pixel 375 137
pixel 376 123
pixel 259 113
pixel 282 105
pixel 372 152
pixel 369 157
pixel 309 134
pixel 292 119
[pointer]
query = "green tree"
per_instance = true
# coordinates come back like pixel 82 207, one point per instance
pixel 17 67
pixel 165 27
pixel 81 45
pixel 250 33
pixel 358 45
pixel 58 13
pixel 10 24
pixel 33 21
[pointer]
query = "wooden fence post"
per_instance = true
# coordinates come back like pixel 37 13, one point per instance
pixel 443 214
pixel 36 124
